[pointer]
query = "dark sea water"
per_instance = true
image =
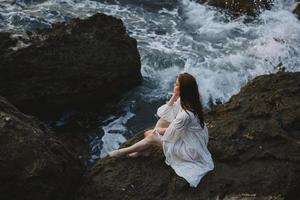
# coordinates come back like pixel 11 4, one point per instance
pixel 221 52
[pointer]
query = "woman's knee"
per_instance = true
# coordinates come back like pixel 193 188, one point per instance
pixel 152 139
pixel 148 133
pixel 149 139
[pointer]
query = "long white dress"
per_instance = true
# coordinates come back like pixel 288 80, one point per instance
pixel 185 143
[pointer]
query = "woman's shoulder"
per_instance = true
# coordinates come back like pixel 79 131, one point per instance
pixel 182 114
pixel 186 114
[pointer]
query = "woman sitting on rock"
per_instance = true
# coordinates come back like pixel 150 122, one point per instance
pixel 181 133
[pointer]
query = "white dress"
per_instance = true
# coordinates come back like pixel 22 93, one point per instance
pixel 185 143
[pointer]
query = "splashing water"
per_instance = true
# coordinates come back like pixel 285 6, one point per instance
pixel 222 53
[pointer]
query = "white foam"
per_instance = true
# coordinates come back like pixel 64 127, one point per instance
pixel 113 134
pixel 223 54
pixel 257 49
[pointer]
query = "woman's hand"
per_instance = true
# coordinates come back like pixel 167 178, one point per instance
pixel 176 91
pixel 161 131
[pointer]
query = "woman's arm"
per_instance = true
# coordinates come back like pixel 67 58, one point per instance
pixel 177 127
pixel 170 109
pixel 161 131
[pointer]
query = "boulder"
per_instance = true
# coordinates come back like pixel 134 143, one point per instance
pixel 237 7
pixel 6 42
pixel 254 141
pixel 34 165
pixel 297 9
pixel 85 64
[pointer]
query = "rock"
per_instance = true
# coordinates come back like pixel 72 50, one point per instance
pixel 254 141
pixel 249 7
pixel 86 64
pixel 34 165
pixel 297 9
pixel 6 42
pixel 76 140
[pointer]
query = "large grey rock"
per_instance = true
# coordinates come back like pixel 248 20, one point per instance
pixel 34 165
pixel 86 64
pixel 249 7
pixel 297 9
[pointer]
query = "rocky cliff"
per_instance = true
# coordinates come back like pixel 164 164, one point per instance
pixel 254 141
pixel 34 165
pixel 85 64
pixel 249 7
pixel 297 9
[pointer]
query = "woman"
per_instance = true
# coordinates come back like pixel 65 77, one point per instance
pixel 181 133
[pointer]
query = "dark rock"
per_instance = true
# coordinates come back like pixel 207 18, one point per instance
pixel 297 9
pixel 254 141
pixel 76 139
pixel 34 165
pixel 249 7
pixel 6 43
pixel 86 64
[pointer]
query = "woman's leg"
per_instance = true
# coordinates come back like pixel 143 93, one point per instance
pixel 138 147
pixel 144 146
pixel 148 133
pixel 160 124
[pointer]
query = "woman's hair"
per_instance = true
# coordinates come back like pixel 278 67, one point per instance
pixel 189 96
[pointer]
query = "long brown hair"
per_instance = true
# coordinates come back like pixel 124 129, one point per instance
pixel 189 96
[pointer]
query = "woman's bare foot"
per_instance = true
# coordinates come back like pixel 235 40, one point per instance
pixel 137 154
pixel 115 154
pixel 134 154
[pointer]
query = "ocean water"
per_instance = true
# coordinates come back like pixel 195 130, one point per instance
pixel 222 52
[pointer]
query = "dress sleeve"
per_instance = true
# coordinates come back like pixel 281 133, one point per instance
pixel 206 135
pixel 168 112
pixel 177 127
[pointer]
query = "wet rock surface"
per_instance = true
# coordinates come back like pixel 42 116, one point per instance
pixel 34 165
pixel 297 9
pixel 249 7
pixel 85 64
pixel 254 141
